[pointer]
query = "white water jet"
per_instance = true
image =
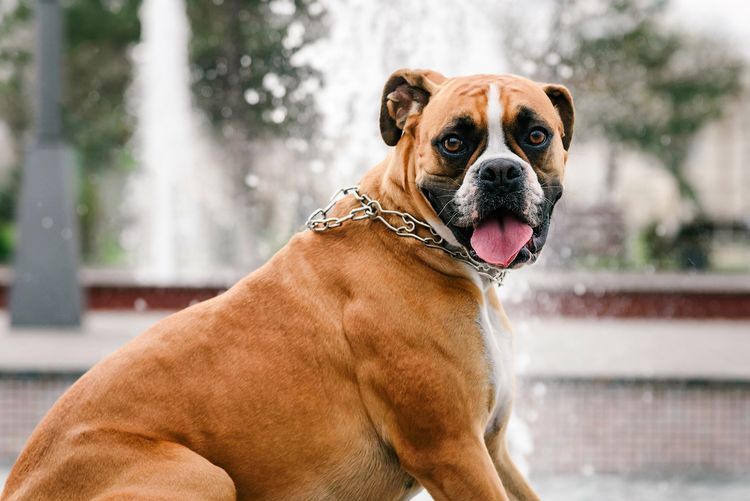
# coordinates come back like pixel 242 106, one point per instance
pixel 164 110
pixel 178 196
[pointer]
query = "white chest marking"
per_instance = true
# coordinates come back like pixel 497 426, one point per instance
pixel 442 230
pixel 498 347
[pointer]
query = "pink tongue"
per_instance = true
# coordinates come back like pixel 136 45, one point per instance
pixel 499 240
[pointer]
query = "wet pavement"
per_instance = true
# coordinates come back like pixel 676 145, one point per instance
pixel 622 488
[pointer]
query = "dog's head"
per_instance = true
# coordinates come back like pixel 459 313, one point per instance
pixel 488 154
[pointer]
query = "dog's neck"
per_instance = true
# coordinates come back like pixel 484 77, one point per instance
pixel 392 183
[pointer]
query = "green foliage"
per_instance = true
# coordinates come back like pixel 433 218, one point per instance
pixel 242 51
pixel 245 74
pixel 638 82
pixel 15 57
pixel 97 75
pixel 14 62
pixel 8 192
pixel 95 79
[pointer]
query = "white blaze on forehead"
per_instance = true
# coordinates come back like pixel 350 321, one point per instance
pixel 496 145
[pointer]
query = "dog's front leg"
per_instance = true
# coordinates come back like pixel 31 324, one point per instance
pixel 517 486
pixel 455 469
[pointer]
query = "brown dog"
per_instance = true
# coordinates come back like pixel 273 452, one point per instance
pixel 354 365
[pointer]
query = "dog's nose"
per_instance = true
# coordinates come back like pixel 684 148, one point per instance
pixel 501 173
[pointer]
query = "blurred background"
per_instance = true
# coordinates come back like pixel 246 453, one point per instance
pixel 191 138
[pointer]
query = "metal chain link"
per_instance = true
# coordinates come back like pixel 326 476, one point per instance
pixel 409 225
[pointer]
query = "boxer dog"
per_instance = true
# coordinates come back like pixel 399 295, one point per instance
pixel 356 364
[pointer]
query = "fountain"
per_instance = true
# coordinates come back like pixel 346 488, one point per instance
pixel 177 198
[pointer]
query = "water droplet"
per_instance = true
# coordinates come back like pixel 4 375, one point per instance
pixel 295 36
pixel 272 82
pixel 315 9
pixel 316 166
pixel 47 223
pixel 553 59
pixel 282 7
pixel 528 67
pixel 539 390
pixel 565 71
pixel 579 289
pixel 297 144
pixel 252 181
pixel 252 97
pixel 140 304
pixel 278 115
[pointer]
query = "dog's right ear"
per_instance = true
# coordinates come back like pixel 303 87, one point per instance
pixel 405 94
pixel 563 102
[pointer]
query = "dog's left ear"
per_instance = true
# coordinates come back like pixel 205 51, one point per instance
pixel 405 94
pixel 563 101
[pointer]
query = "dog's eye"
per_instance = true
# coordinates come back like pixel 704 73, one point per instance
pixel 537 137
pixel 453 145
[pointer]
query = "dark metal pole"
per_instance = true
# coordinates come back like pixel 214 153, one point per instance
pixel 49 75
pixel 46 291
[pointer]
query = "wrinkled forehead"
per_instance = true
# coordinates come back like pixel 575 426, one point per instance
pixel 469 97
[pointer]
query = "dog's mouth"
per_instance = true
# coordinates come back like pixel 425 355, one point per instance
pixel 501 239
pixel 499 234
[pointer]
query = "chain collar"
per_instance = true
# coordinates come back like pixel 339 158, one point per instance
pixel 408 226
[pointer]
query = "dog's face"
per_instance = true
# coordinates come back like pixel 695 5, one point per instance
pixel 489 156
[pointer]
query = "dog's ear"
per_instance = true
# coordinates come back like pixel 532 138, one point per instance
pixel 563 101
pixel 405 94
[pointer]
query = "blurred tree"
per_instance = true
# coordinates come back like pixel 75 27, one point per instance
pixel 14 63
pixel 248 79
pixel 638 82
pixel 247 75
pixel 252 80
pixel 97 74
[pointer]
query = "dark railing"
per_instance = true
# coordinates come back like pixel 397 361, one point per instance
pixel 618 295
